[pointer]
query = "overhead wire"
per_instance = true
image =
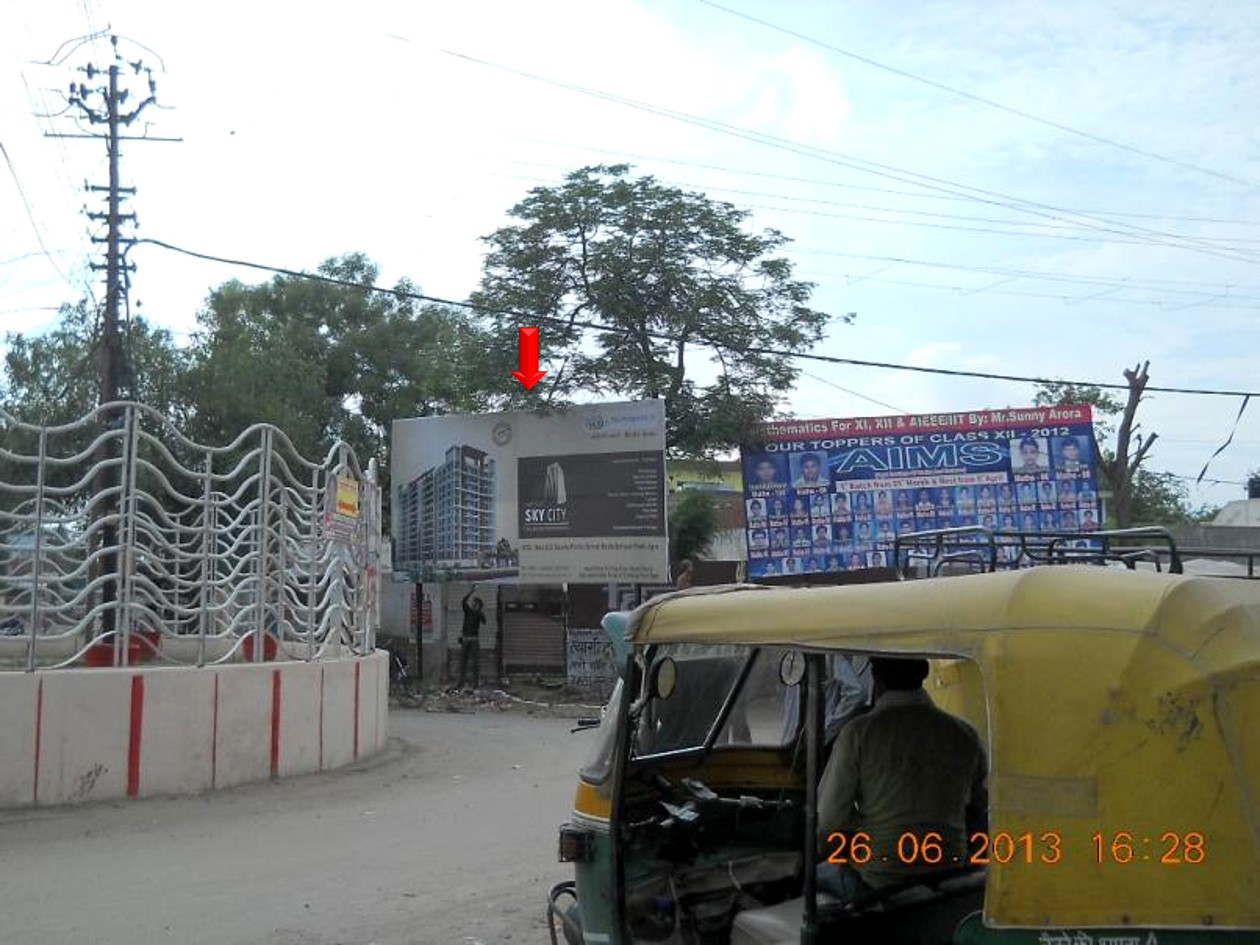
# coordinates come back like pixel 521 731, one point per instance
pixel 30 214
pixel 820 182
pixel 1195 297
pixel 980 99
pixel 1049 231
pixel 979 195
pixel 665 336
pixel 82 272
pixel 854 393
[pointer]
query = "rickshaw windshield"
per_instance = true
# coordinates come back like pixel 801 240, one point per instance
pixel 707 678
pixel 599 762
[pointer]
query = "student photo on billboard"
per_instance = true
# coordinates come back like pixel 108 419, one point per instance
pixel 800 511
pixel 1071 457
pixel 776 510
pixel 905 503
pixel 986 501
pixel 964 499
pixel 844 535
pixel 1046 496
pixel 820 507
pixel 756 511
pixel 861 505
pixel 765 473
pixel 840 510
pixel 822 538
pixel 1028 456
pixel 883 504
pixel 1067 494
pixel 809 471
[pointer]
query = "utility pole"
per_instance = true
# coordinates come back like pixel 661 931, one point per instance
pixel 105 104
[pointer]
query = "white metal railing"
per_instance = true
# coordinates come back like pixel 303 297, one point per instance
pixel 123 541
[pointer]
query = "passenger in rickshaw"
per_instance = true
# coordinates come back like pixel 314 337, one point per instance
pixel 846 696
pixel 905 767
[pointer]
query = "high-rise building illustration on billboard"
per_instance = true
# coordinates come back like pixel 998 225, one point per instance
pixel 446 513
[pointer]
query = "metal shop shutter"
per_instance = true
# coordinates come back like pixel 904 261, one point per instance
pixel 532 642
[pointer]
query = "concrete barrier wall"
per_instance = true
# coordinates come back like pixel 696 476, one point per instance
pixel 99 734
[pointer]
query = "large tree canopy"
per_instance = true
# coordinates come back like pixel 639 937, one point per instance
pixel 321 361
pixel 686 291
pixel 326 362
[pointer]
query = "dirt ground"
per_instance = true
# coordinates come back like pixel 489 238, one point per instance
pixel 448 837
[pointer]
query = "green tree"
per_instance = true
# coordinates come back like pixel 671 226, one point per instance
pixel 688 292
pixel 325 362
pixel 51 379
pixel 693 524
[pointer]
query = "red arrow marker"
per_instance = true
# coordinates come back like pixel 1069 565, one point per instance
pixel 527 372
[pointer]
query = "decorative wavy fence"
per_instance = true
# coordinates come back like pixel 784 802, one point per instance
pixel 122 542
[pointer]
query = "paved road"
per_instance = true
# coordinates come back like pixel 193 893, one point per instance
pixel 449 837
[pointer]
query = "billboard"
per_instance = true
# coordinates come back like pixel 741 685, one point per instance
pixel 574 496
pixel 832 495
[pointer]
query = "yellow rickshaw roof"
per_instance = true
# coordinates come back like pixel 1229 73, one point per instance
pixel 947 615
pixel 1115 703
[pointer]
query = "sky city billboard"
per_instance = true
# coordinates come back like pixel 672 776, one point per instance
pixel 574 496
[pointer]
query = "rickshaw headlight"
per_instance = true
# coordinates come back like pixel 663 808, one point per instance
pixel 577 845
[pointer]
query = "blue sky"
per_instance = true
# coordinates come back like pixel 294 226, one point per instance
pixel 354 128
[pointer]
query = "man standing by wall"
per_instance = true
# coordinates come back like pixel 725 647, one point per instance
pixel 470 638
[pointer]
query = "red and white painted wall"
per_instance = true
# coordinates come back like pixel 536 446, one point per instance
pixel 76 735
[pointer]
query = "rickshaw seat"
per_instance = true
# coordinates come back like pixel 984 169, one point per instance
pixel 773 925
pixel 781 924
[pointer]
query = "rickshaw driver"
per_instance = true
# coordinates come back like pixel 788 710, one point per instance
pixel 904 767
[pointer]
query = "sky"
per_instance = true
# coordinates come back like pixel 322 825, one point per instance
pixel 1060 191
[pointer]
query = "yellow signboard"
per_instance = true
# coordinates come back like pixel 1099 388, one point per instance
pixel 347 505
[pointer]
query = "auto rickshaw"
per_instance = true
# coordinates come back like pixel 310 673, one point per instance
pixel 1120 711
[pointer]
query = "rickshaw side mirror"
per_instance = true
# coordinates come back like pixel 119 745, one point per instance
pixel 663 678
pixel 792 668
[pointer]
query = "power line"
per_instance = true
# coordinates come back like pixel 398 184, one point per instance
pixel 1038 274
pixel 994 289
pixel 664 336
pixel 1049 231
pixel 1195 297
pixel 854 393
pixel 865 188
pixel 1020 113
pixel 30 214
pixel 875 168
